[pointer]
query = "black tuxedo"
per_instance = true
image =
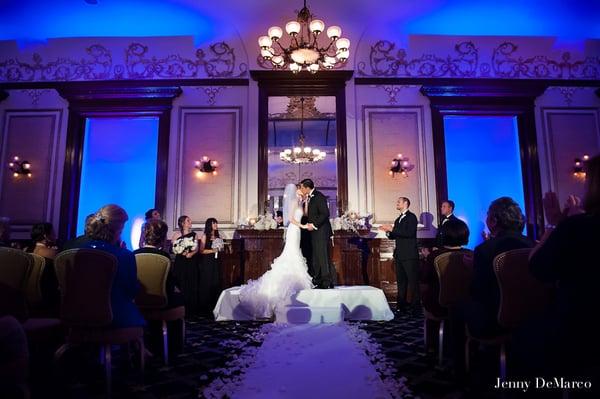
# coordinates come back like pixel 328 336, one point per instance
pixel 439 238
pixel 406 257
pixel 318 215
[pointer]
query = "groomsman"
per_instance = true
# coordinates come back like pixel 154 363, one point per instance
pixel 447 211
pixel 406 255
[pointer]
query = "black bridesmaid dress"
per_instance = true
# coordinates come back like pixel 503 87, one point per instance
pixel 186 272
pixel 210 280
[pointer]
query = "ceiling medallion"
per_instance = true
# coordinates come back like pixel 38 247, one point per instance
pixel 300 48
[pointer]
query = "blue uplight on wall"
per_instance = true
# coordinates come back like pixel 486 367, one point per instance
pixel 119 167
pixel 30 20
pixel 482 163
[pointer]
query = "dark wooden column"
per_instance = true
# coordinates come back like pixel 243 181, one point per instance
pixel 104 100
pixel 494 98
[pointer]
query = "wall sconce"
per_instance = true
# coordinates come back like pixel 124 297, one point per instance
pixel 578 167
pixel 206 165
pixel 19 167
pixel 401 165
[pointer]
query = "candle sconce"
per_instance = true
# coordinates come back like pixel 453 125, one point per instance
pixel 401 165
pixel 19 167
pixel 206 165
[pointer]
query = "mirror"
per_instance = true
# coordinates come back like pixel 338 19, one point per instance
pixel 302 140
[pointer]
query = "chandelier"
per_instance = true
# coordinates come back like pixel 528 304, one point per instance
pixel 303 50
pixel 301 154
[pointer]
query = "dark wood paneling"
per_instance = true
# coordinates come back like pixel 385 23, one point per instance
pixel 260 248
pixel 111 101
pixel 283 83
pixel 497 99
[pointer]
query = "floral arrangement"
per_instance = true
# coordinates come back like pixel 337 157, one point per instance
pixel 265 222
pixel 352 221
pixel 218 245
pixel 185 245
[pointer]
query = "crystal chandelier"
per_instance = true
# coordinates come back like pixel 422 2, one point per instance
pixel 303 50
pixel 301 154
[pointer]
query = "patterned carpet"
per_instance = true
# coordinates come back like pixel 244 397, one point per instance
pixel 81 376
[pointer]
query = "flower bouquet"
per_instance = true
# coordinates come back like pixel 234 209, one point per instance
pixel 218 245
pixel 184 245
pixel 265 222
pixel 352 221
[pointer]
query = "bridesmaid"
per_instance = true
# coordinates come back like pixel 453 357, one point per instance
pixel 186 266
pixel 210 272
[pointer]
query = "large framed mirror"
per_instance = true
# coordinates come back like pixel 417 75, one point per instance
pixel 312 106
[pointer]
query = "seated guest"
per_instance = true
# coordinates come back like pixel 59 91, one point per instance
pixel 279 218
pixel 44 241
pixel 447 212
pixel 4 232
pixel 82 239
pixel 104 233
pixel 455 234
pixel 505 222
pixel 154 238
pixel 564 340
pixel 151 214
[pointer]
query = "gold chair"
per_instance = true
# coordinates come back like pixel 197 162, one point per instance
pixel 152 271
pixel 33 283
pixel 521 296
pixel 454 270
pixel 15 267
pixel 85 278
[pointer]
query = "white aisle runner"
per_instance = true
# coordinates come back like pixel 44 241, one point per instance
pixel 314 361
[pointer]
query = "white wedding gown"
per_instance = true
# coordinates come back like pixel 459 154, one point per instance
pixel 288 275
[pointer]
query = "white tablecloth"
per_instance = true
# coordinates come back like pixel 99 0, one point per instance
pixel 357 302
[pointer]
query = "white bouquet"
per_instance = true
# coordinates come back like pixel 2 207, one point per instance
pixel 184 245
pixel 265 222
pixel 352 221
pixel 218 245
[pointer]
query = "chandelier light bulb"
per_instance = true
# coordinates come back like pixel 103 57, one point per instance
pixel 294 67
pixel 275 33
pixel 10 164
pixel 586 157
pixel 277 60
pixel 343 55
pixel 316 151
pixel 15 174
pixel 334 32
pixel 16 158
pixel 29 175
pixel 308 150
pixel 399 156
pixel 313 68
pixel 317 26
pixel 26 165
pixel 292 28
pixel 204 158
pixel 297 150
pixel 264 42
pixel 266 53
pixel 342 44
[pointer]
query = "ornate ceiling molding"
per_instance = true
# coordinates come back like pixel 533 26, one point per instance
pixel 218 61
pixel 466 62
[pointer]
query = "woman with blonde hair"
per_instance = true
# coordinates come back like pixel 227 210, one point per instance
pixel 104 233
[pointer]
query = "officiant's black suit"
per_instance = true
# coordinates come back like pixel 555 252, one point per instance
pixel 406 257
pixel 318 215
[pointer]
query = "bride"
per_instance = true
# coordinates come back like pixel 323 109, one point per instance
pixel 288 274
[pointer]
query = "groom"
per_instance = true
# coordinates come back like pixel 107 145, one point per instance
pixel 320 232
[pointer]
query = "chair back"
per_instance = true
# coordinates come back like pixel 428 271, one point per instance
pixel 152 272
pixel 85 277
pixel 454 270
pixel 15 266
pixel 521 294
pixel 33 283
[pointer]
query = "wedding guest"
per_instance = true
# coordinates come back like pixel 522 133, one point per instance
pixel 210 270
pixel 155 235
pixel 279 218
pixel 151 214
pixel 185 246
pixel 104 233
pixel 44 239
pixel 505 221
pixel 406 256
pixel 84 238
pixel 4 232
pixel 563 341
pixel 456 234
pixel 447 212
